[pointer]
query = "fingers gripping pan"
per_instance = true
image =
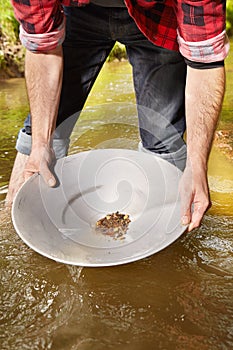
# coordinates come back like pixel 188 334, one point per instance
pixel 60 223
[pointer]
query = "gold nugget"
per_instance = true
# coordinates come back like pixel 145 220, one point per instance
pixel 114 225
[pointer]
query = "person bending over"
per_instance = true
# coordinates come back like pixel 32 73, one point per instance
pixel 196 30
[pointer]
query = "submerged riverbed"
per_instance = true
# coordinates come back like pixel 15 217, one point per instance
pixel 179 298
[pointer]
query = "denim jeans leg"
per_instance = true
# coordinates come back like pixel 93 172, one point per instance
pixel 159 80
pixel 85 50
pixel 159 77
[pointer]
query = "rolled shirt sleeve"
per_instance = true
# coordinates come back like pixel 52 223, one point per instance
pixel 42 23
pixel 43 42
pixel 201 30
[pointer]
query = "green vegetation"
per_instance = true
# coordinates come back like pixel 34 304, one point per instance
pixel 8 24
pixel 230 17
pixel 11 51
pixel 118 52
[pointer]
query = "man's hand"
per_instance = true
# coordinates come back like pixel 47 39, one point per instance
pixel 203 98
pixel 43 73
pixel 41 160
pixel 17 178
pixel 194 193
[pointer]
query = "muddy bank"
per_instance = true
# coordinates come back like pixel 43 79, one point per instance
pixel 12 58
pixel 224 141
pixel 13 54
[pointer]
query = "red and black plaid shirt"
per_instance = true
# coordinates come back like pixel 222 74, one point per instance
pixel 198 26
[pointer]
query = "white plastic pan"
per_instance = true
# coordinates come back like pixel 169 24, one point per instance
pixel 59 223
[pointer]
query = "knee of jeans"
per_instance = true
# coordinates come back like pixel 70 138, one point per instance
pixel 61 147
pixel 24 144
pixel 177 158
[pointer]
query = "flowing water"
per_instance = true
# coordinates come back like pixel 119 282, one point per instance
pixel 180 298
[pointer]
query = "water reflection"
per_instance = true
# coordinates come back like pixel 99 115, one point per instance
pixel 36 299
pixel 180 298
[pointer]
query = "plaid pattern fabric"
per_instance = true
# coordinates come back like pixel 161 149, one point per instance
pixel 157 20
pixel 199 26
pixel 201 30
pixel 211 50
pixel 172 24
pixel 43 42
pixel 38 16
pixel 200 20
pixel 41 23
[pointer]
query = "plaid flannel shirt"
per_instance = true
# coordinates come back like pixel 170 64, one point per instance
pixel 196 28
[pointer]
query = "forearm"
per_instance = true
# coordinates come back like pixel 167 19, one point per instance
pixel 42 31
pixel 204 95
pixel 43 73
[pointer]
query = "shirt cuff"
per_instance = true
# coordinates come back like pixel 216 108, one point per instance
pixel 43 42
pixel 206 51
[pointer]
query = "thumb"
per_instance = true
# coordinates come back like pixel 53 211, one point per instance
pixel 46 166
pixel 45 172
pixel 48 177
pixel 186 209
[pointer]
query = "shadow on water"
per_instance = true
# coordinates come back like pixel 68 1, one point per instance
pixel 179 298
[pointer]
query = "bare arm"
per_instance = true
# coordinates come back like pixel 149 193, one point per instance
pixel 204 95
pixel 43 73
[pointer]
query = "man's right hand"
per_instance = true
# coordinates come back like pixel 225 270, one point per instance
pixel 41 160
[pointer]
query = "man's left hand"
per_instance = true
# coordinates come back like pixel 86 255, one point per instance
pixel 195 198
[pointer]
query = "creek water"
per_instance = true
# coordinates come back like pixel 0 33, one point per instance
pixel 179 298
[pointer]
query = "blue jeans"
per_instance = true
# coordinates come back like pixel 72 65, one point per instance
pixel 158 74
